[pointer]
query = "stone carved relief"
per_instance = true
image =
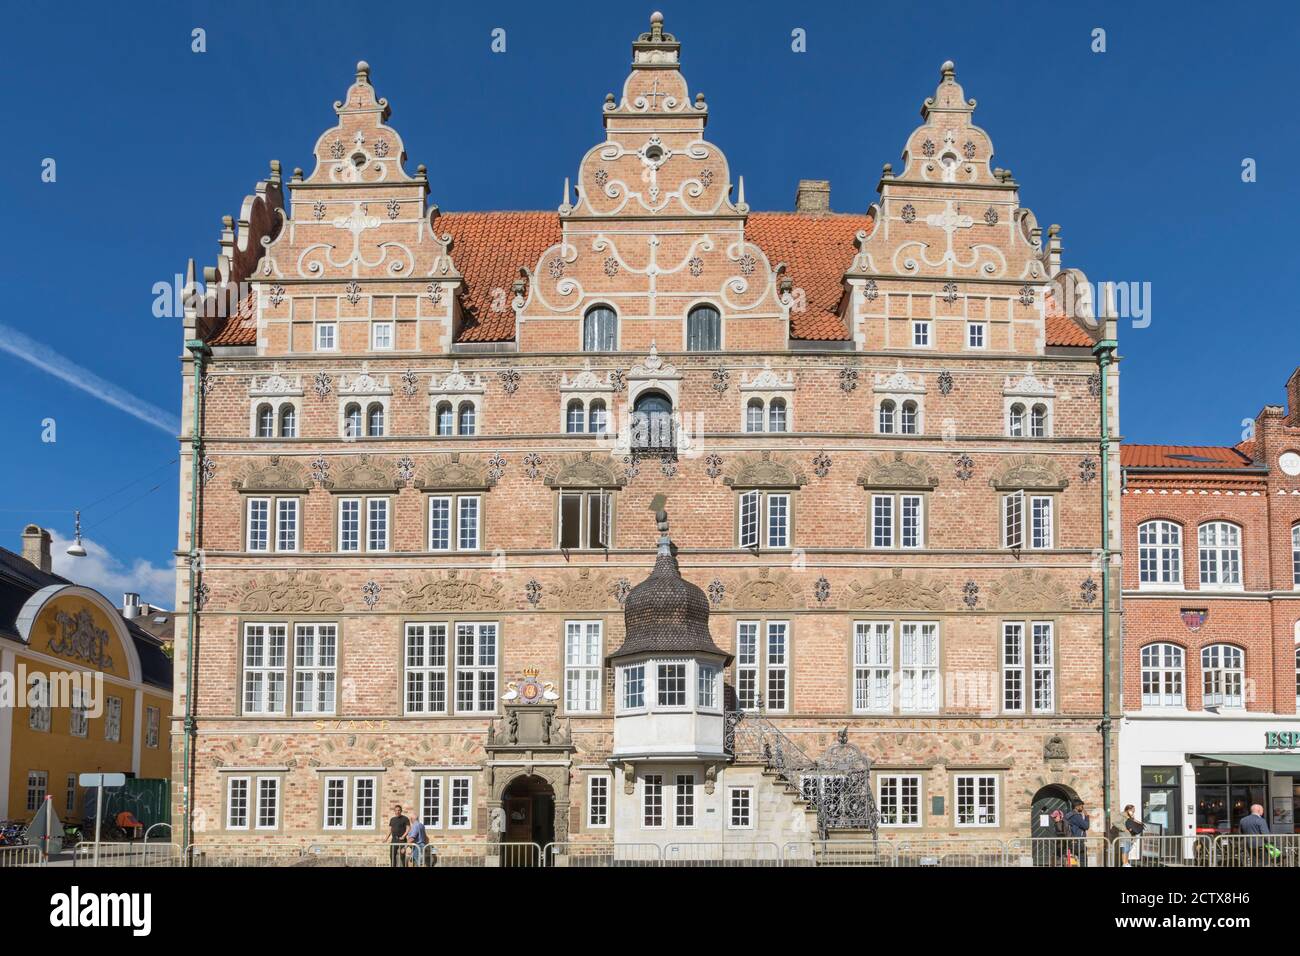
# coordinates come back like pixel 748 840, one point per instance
pixel 1027 590
pixel 452 592
pixel 583 470
pixel 764 589
pixel 275 474
pixel 453 472
pixel 897 471
pixel 764 470
pixel 1029 471
pixel 586 592
pixel 362 473
pixel 301 591
pixel 895 592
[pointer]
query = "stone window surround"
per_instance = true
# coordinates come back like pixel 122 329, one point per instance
pixel 254 776
pixel 363 521
pixel 1028 390
pixel 920 778
pixel 1027 665
pixel 999 788
pixel 290 663
pixel 898 388
pixel 764 493
pixel 273 521
pixel 767 385
pixel 451 620
pixel 363 390
pixel 456 389
pixel 350 776
pixel 277 391
pixel 761 664
pixel 896 622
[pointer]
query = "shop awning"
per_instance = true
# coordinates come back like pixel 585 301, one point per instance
pixel 1278 763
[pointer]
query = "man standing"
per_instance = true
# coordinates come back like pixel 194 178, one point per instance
pixel 398 827
pixel 418 838
pixel 1255 825
pixel 1078 822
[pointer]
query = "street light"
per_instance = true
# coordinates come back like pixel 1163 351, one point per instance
pixel 76 549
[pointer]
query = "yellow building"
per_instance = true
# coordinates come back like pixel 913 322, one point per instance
pixel 84 689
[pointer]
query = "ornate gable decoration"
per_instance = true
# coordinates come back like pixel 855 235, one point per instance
pixel 432 592
pixel 275 385
pixel 1028 385
pixel 364 384
pixel 363 473
pixel 293 591
pixel 764 470
pixel 360 148
pixel 582 471
pixel 768 381
pixel 1029 472
pixel 1028 590
pixel 898 471
pixel 586 592
pixel 275 474
pixel 898 383
pixel 894 592
pixel 454 472
pixel 456 383
pixel 762 590
pixel 586 381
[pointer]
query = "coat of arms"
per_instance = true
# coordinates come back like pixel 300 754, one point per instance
pixel 530 690
pixel 1195 617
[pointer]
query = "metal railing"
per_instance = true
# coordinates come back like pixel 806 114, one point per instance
pixel 1272 850
pixel 951 851
pixel 840 853
pixel 26 855
pixel 127 854
pixel 602 854
pixel 1067 852
pixel 1162 850
pixel 400 855
pixel 721 854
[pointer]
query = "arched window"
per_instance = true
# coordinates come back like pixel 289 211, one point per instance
pixel 265 421
pixel 600 329
pixel 908 420
pixel 446 420
pixel 573 418
pixel 375 421
pixel 886 424
pixel 1220 547
pixel 652 423
pixel 1295 555
pixel 352 421
pixel 288 421
pixel 466 419
pixel 754 415
pixel 1223 675
pixel 703 329
pixel 1162 675
pixel 776 415
pixel 1160 553
pixel 1016 421
pixel 598 419
pixel 1038 422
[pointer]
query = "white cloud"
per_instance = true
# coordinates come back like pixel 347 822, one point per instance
pixel 108 575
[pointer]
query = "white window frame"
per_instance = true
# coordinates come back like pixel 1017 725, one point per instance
pixel 978 779
pixel 657 668
pixel 38 786
pixel 1227 680
pixel 483 682
pixel 1021 525
pixel 357 788
pixel 310 676
pixel 462 535
pixel 247 798
pixel 460 791
pixel 271 674
pixel 872 669
pixel 900 797
pixel 889 521
pixel 626 671
pixel 319 336
pixel 972 327
pixel 1219 562
pixel 432 794
pixel 598 802
pixel 706 677
pixel 38 703
pixel 378 328
pixel 584 676
pixel 433 645
pixel 1153 665
pixel 652 801
pixel 331 818
pixel 1160 554
pixel 746 807
pixel 78 720
pixel 684 801
pixel 258 808
pixel 922 334
pixel 757 524
pixel 920 680
pixel 1028 672
pixel 763 665
pixel 604 517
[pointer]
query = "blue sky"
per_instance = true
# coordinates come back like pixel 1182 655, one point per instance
pixel 1136 152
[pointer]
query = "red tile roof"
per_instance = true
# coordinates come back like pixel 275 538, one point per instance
pixel 1205 457
pixel 240 329
pixel 1062 330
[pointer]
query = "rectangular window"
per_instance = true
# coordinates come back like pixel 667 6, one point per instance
pixel 597 801
pixel 763 518
pixel 113 719
pixel 264 668
pixel 286 524
pixel 707 691
pixel 78 721
pixel 921 334
pixel 426 668
pixel 652 800
pixel 670 684
pixel 70 795
pixel 381 336
pixel 314 668
pixel 1041 526
pixel 762 672
pixel 585 520
pixel 377 524
pixel 152 719
pixel 336 800
pixel 778 521
pixel 976 335
pixel 910 531
pixel 747 664
pixel 882 521
pixel 1013 667
pixel 431 802
pixel 778 665
pixel 326 337
pixel 873 669
pixel 37 784
pixel 1013 520
pixel 748 528
pixel 439 524
pixel 268 803
pixel 899 796
pixel 582 673
pixel 976 800
pixel 349 524
pixel 237 803
pixel 1044 668
pixel 460 803
pixel 259 510
pixel 476 668
pixel 634 687
pixel 363 803
pixel 740 808
pixel 918 655
pixel 467 518
pixel 897 521
pixel 684 800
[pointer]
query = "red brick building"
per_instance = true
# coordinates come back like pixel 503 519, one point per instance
pixel 432 445
pixel 1211 639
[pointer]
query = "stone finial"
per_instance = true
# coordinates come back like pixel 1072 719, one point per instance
pixel 363 71
pixel 948 70
pixel 656 25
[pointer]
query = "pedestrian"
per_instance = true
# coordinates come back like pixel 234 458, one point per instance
pixel 1130 849
pixel 398 827
pixel 1078 822
pixel 418 839
pixel 1256 826
pixel 1059 839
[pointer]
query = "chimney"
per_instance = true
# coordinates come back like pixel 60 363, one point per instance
pixel 36 547
pixel 131 605
pixel 813 195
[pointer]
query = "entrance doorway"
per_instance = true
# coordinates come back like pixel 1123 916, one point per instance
pixel 529 804
pixel 1048 799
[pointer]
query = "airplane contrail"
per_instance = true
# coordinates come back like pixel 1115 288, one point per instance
pixel 48 360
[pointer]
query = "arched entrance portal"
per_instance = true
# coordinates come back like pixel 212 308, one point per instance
pixel 529 804
pixel 1052 797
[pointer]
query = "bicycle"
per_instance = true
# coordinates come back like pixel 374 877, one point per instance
pixel 13 833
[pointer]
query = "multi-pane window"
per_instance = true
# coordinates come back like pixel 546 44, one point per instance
pixel 375 536
pixel 337 805
pixel 1295 555
pixel 431 802
pixel 38 703
pixel 70 794
pixel 113 719
pixel 599 329
pixel 152 718
pixel 1028 669
pixel 585 519
pixel 764 519
pixel 259 524
pixel 897 521
pixel 464 532
pixel 703 329
pixel 908 419
pixel 1016 421
pixel 899 799
pixel 706 679
pixel 476 668
pixel 771 416
pixel 1019 508
pixel 349 524
pixel 754 415
pixel 1160 553
pixel 265 421
pixel 237 803
pixel 286 524
pixel 1223 676
pixel 381 336
pixel 575 418
pixel 261 534
pixel 652 800
pixel 1038 421
pixel 670 684
pixel 461 803
pixel 684 800
pixel 1162 675
pixel 582 672
pixel 633 677
pixel 976 335
pixel 326 337
pixel 336 802
pixel 776 415
pixel 315 666
pixel 885 423
pixel 873 670
pixel 763 664
pixel 466 419
pixel 37 786
pixel 444 419
pixel 78 719
pixel 288 421
pixel 598 418
pixel 265 668
pixel 740 805
pixel 921 334
pixel 918 666
pixel 426 668
pixel 976 800
pixel 1220 554
pixel 268 803
pixel 376 524
pixel 598 800
pixel 375 420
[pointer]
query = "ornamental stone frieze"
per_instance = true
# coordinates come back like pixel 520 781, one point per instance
pixel 898 471
pixel 764 470
pixel 584 470
pixel 762 590
pixel 454 472
pixel 363 473
pixel 1028 590
pixel 453 591
pixel 291 591
pixel 273 474
pixel 1029 472
pixel 893 591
